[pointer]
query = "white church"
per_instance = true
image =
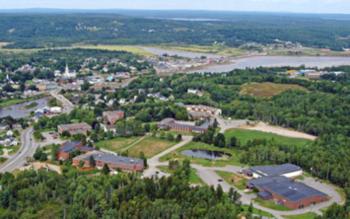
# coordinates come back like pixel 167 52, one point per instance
pixel 69 74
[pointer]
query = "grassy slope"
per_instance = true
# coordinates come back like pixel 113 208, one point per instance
pixel 267 90
pixel 302 216
pixel 150 146
pixel 117 144
pixel 132 49
pixel 245 135
pixel 233 160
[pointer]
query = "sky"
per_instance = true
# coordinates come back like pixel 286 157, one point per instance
pixel 303 6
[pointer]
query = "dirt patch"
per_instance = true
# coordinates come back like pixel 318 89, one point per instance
pixel 263 127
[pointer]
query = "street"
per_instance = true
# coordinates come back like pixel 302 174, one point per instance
pixel 27 149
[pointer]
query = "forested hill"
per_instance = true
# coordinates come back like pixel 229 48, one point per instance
pixel 234 29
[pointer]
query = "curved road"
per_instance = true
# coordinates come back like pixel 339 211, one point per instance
pixel 27 149
pixel 210 177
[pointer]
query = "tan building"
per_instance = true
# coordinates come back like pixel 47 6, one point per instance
pixel 74 129
pixel 111 117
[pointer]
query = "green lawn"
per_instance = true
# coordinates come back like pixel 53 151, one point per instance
pixel 248 135
pixel 194 178
pixel 150 146
pixel 302 216
pixel 233 179
pixel 257 211
pixel 117 144
pixel 267 89
pixel 271 204
pixel 176 155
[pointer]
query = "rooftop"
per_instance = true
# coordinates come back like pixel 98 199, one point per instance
pixel 109 158
pixel 275 170
pixel 289 189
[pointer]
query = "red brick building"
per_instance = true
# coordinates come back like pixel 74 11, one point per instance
pixel 114 162
pixel 66 150
pixel 287 192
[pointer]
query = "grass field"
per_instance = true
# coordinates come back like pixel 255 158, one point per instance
pixel 268 90
pixel 309 215
pixel 132 49
pixel 213 49
pixel 194 178
pixel 247 135
pixel 117 144
pixel 257 211
pixel 150 146
pixel 176 155
pixel 271 204
pixel 237 181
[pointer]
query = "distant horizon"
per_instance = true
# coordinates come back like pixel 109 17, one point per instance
pixel 268 6
pixel 41 9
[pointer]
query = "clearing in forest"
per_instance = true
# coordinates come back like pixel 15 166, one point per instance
pixel 267 89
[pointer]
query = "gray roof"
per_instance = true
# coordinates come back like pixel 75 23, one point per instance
pixel 287 188
pixel 110 158
pixel 275 170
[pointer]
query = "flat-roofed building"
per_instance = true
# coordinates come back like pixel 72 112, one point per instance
pixel 201 111
pixel 66 149
pixel 287 170
pixel 75 128
pixel 172 124
pixel 287 192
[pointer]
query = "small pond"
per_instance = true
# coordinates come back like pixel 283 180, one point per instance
pixel 205 154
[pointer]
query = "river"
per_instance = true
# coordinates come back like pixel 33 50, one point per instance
pixel 19 111
pixel 256 61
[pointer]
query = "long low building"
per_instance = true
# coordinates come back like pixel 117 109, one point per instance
pixel 75 128
pixel 174 125
pixel 114 162
pixel 287 170
pixel 287 192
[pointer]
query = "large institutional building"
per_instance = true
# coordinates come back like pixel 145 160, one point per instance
pixel 277 183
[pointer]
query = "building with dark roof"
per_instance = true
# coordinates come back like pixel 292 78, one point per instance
pixel 172 124
pixel 66 149
pixel 287 192
pixel 113 161
pixel 287 170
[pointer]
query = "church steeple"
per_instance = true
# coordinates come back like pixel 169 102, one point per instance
pixel 67 70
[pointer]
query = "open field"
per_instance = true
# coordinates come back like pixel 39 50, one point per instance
pixel 176 155
pixel 271 204
pixel 132 49
pixel 150 146
pixel 248 135
pixel 263 127
pixel 237 181
pixel 194 178
pixel 214 49
pixel 117 144
pixel 268 90
pixel 302 216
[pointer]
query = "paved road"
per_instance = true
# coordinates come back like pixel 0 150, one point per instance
pixel 27 149
pixel 66 104
pixel 225 124
pixel 211 178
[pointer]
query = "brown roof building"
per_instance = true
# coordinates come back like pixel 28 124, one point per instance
pixel 74 129
pixel 111 117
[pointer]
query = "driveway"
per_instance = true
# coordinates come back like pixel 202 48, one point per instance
pixel 211 178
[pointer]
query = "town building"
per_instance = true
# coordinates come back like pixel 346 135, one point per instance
pixel 287 192
pixel 68 148
pixel 74 129
pixel 172 124
pixel 201 111
pixel 111 117
pixel 114 162
pixel 288 170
